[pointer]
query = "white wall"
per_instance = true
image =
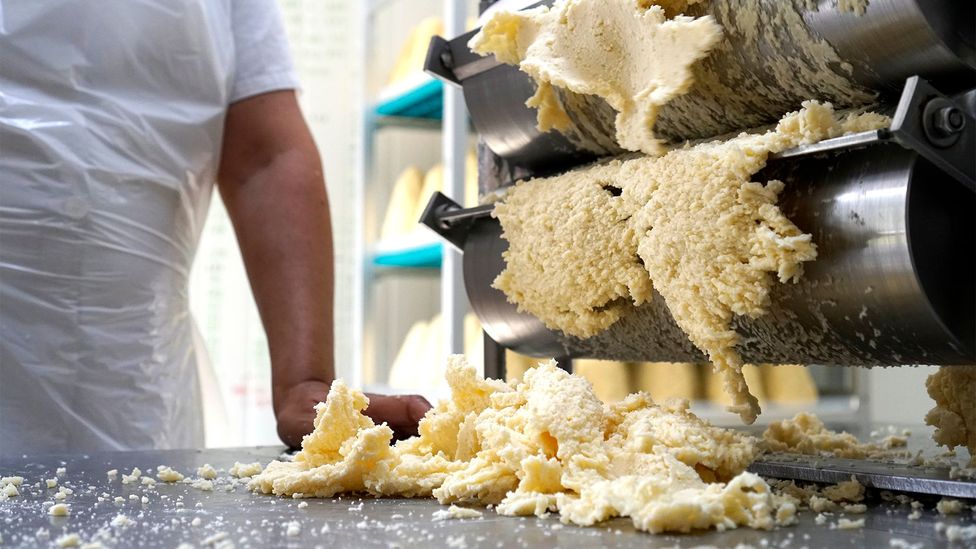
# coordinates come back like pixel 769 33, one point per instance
pixel 897 395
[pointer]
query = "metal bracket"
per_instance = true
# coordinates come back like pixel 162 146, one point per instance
pixel 846 142
pixel 938 129
pixel 448 219
pixel 453 62
pixel 925 121
pixel 440 61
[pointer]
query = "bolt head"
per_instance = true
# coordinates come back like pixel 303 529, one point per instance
pixel 956 119
pixel 447 59
pixel 950 120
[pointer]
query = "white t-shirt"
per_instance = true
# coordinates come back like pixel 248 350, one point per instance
pixel 263 62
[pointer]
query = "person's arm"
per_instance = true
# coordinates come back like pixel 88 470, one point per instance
pixel 272 184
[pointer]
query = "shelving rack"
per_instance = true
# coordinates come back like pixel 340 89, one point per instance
pixel 421 106
pixel 419 97
pixel 412 252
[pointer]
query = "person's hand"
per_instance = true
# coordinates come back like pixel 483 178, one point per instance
pixel 296 414
pixel 401 412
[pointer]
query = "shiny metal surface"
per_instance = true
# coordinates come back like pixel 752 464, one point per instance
pixel 893 40
pixel 520 332
pixel 893 283
pixel 249 520
pixel 844 142
pixel 896 38
pixel 872 474
pixel 496 103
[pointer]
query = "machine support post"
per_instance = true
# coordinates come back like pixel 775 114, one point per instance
pixel 454 137
pixel 495 366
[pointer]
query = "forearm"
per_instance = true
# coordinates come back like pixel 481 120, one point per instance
pixel 281 216
pixel 272 183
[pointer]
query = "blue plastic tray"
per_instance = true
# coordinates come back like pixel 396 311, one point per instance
pixel 426 256
pixel 423 101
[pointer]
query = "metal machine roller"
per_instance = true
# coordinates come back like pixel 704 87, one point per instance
pixel 893 283
pixel 740 85
pixel 893 212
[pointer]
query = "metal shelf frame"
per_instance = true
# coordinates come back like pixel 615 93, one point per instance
pixel 455 132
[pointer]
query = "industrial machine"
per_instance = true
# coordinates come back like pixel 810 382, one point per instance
pixel 893 211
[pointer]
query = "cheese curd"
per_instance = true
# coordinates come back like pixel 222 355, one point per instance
pixel 628 53
pixel 953 388
pixel 587 246
pixel 547 444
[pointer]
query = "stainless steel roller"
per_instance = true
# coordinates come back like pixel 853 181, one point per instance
pixel 893 282
pixel 766 66
pixel 893 212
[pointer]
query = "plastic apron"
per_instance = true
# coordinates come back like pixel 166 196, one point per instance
pixel 111 119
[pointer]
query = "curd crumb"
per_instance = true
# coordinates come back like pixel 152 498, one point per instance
pixel 203 484
pixel 245 470
pixel 207 471
pixel 849 524
pixel 69 540
pixel 132 477
pixel 455 512
pixel 121 521
pixel 168 474
pixel 947 506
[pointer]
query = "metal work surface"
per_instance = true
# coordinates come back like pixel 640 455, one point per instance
pixel 232 514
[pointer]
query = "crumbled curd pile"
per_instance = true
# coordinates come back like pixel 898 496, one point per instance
pixel 953 388
pixel 806 434
pixel 546 444
pixel 588 245
pixel 612 63
pixel 842 497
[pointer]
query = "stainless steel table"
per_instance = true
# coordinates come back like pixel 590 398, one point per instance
pixel 178 513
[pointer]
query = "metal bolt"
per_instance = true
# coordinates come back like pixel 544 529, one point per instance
pixel 447 59
pixel 943 122
pixel 950 120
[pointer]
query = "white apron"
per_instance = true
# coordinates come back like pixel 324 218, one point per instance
pixel 111 118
